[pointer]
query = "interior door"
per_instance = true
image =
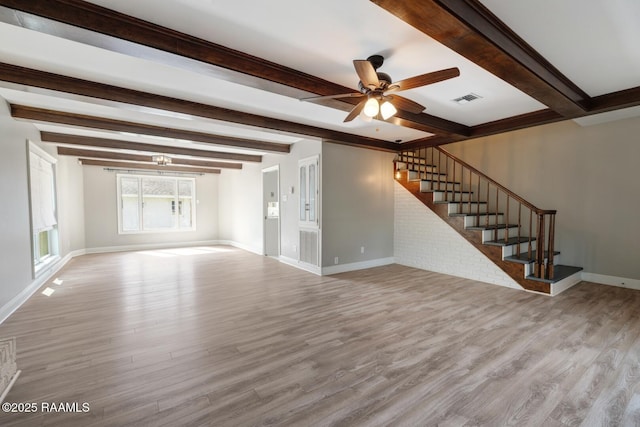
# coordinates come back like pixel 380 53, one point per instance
pixel 271 206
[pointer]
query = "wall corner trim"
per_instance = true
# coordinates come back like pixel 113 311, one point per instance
pixel 300 265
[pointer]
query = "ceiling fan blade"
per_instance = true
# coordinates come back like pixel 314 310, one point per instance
pixel 402 103
pixel 424 79
pixel 367 73
pixel 341 95
pixel 355 111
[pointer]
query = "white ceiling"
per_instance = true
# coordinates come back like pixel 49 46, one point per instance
pixel 594 48
pixel 593 42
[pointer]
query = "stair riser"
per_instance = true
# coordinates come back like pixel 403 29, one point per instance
pixel 416 176
pixel 488 235
pixel 439 196
pixel 512 249
pixel 470 221
pixel 529 269
pixel 417 167
pixel 467 208
pixel 427 186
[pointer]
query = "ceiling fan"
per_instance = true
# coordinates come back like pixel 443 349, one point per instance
pixel 378 90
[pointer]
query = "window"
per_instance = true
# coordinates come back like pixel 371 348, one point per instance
pixel 152 203
pixel 44 222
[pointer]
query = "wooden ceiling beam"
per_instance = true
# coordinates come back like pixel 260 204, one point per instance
pixel 470 29
pixel 57 82
pixel 113 155
pixel 614 101
pixel 191 53
pixel 146 166
pixel 118 144
pixel 73 119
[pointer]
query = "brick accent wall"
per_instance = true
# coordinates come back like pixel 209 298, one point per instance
pixel 423 240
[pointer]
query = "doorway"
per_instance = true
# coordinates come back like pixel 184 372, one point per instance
pixel 271 210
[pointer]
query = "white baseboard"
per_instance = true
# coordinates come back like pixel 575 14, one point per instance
pixel 152 246
pixel 301 265
pixel 565 284
pixel 257 251
pixel 343 268
pixel 602 279
pixel 9 308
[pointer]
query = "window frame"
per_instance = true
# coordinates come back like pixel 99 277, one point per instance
pixel 40 262
pixel 177 228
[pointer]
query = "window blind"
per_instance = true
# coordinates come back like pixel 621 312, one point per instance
pixel 42 193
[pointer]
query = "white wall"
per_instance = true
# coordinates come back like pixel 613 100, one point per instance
pixel 70 187
pixel 589 174
pixel 240 207
pixel 423 240
pixel 357 204
pixel 101 217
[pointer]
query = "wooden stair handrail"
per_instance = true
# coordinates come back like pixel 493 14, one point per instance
pixel 497 184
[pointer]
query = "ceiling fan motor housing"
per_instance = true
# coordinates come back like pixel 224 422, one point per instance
pixel 376 61
pixel 385 81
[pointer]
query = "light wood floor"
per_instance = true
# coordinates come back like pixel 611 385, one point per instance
pixel 218 336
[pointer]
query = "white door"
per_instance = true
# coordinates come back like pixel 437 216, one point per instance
pixel 308 209
pixel 271 206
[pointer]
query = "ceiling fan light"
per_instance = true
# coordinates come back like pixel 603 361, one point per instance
pixel 387 110
pixel 371 108
pixel 365 118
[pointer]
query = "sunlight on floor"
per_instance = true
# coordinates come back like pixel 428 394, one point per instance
pixel 173 252
pixel 48 291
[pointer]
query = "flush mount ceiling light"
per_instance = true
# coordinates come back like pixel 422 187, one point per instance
pixel 161 159
pixel 375 86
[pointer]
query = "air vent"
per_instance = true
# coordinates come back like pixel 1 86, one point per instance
pixel 466 98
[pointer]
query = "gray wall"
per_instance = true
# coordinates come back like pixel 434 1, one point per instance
pixel 101 219
pixel 589 174
pixel 15 230
pixel 357 204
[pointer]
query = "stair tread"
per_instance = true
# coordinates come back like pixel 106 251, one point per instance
pixel 464 202
pixel 476 214
pixel 510 241
pixel 440 181
pixel 559 272
pixel 429 173
pixel 525 259
pixel 492 227
pixel 448 191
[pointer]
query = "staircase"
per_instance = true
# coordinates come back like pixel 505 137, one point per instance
pixel 517 236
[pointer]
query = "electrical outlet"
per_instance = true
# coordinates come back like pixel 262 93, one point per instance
pixel 361 249
pixel 335 260
pixel 295 248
